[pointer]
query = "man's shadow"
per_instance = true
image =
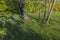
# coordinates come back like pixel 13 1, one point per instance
pixel 15 32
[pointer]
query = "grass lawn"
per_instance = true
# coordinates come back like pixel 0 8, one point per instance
pixel 12 27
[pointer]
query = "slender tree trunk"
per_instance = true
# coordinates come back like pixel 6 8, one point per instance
pixel 50 10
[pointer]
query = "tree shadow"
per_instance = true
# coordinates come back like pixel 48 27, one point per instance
pixel 14 30
pixel 16 33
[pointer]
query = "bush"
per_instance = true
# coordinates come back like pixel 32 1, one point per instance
pixel 3 5
pixel 57 7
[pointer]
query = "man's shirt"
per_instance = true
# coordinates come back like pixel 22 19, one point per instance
pixel 21 2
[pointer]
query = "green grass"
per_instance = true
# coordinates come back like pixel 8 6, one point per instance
pixel 12 27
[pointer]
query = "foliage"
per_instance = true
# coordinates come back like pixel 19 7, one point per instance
pixel 57 7
pixel 2 5
pixel 32 6
pixel 13 27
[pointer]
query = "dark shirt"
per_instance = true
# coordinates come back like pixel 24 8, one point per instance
pixel 21 3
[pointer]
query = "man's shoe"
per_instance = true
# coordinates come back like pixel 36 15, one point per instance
pixel 26 18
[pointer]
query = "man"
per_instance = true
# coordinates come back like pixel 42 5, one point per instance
pixel 21 6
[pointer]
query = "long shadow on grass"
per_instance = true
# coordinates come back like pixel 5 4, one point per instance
pixel 15 32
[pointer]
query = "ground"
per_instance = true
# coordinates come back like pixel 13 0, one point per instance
pixel 13 27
